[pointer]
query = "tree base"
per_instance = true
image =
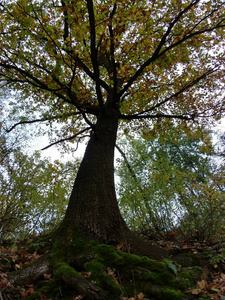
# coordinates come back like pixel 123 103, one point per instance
pixel 88 270
pixel 128 242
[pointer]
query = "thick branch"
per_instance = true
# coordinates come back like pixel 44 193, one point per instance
pixel 25 122
pixel 82 65
pixel 30 78
pixel 186 87
pixel 157 116
pixel 94 51
pixel 33 81
pixel 66 27
pixel 112 50
pixel 191 35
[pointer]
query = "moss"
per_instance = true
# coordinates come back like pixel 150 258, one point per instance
pixel 52 288
pixel 188 277
pixel 136 272
pixel 118 258
pixel 155 277
pixel 117 273
pixel 68 234
pixel 144 273
pixel 63 268
pixel 109 254
pixel 95 266
pixel 100 276
pixel 170 294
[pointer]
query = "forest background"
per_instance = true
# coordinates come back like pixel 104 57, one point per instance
pixel 166 184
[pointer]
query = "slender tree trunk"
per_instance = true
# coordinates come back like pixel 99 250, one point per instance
pixel 93 205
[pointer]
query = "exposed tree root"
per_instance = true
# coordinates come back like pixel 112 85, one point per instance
pixel 39 268
pixel 84 287
pixel 92 271
pixel 138 246
pixel 30 274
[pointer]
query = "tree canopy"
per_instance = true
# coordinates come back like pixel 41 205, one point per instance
pixel 152 59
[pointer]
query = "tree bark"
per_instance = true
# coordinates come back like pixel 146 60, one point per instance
pixel 30 274
pixel 93 204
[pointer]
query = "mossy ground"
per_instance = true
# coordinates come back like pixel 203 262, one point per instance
pixel 115 273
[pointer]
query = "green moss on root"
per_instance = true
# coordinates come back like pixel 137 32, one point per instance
pixel 103 279
pixel 170 294
pixel 63 269
pixel 188 276
pixel 114 272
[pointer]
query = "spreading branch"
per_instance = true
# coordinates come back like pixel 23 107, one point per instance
pixel 158 115
pixel 41 120
pixel 68 138
pixel 174 95
pixel 158 53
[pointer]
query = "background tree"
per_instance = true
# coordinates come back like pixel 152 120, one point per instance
pixel 94 64
pixel 173 183
pixel 33 191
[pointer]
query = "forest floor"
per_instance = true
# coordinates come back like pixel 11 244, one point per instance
pixel 17 254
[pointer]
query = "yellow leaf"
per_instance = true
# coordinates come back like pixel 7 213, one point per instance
pixel 202 284
pixel 141 296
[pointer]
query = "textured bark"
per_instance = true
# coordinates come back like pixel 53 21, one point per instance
pixel 84 287
pixel 29 275
pixel 93 205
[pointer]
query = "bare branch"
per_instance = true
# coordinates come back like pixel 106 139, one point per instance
pixel 157 116
pixel 127 163
pixel 41 120
pixel 67 139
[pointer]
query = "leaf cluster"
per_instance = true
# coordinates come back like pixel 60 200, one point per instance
pixel 34 191
pixel 146 59
pixel 173 184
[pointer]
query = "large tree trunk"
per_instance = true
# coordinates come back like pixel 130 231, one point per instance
pixel 93 205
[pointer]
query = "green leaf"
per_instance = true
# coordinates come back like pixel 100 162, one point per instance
pixel 171 266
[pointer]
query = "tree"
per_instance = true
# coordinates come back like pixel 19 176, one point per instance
pixel 172 183
pixel 34 191
pixel 96 64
